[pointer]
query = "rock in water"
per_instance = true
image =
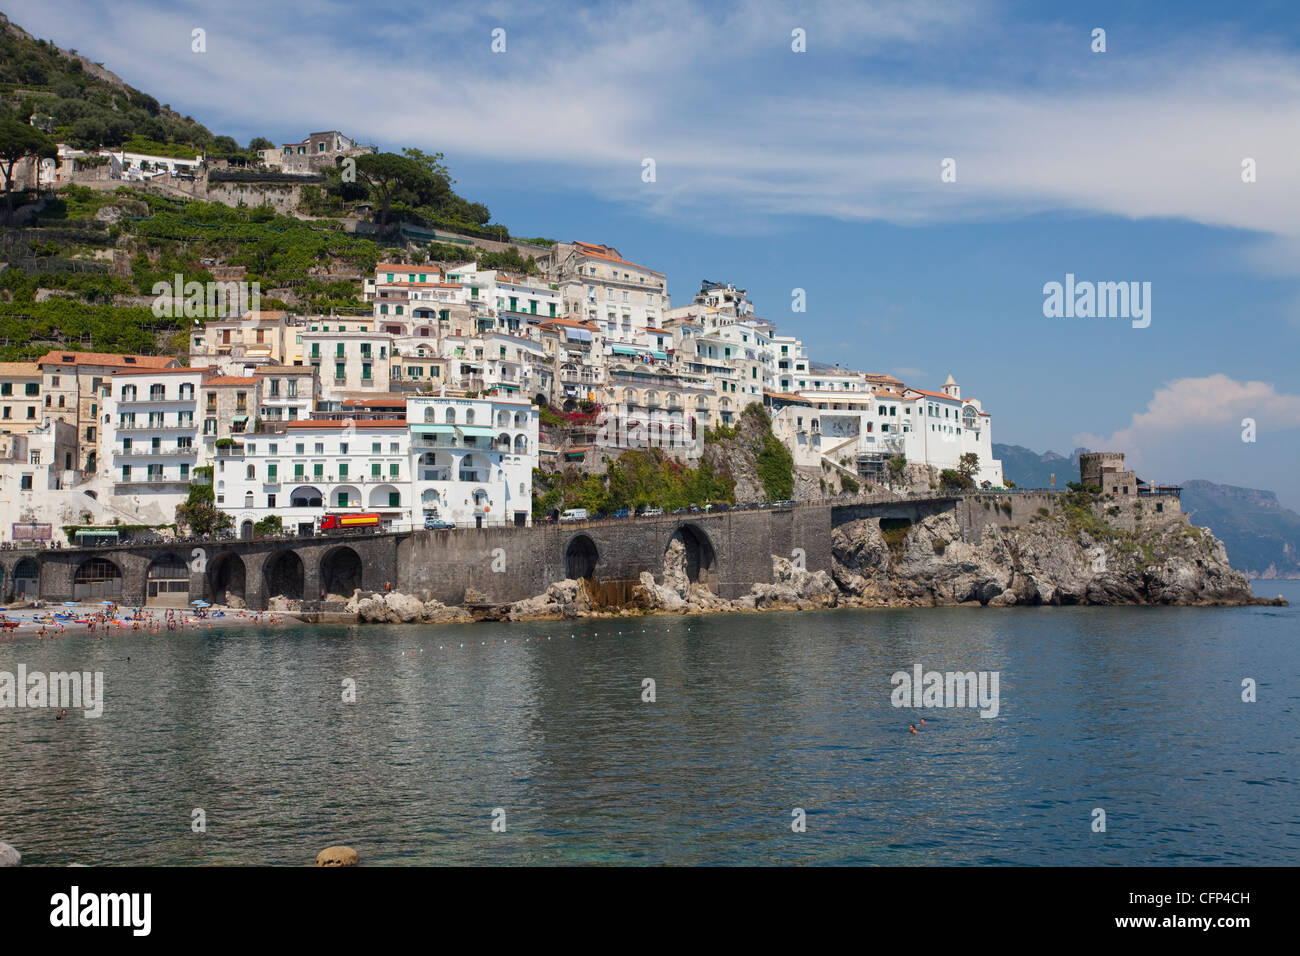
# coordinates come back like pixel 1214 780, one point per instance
pixel 9 856
pixel 337 856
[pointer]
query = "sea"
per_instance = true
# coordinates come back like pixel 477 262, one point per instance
pixel 1122 737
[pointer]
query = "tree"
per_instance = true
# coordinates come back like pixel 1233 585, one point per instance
pixel 259 142
pixel 969 464
pixel 199 512
pixel 390 177
pixel 950 479
pixel 18 141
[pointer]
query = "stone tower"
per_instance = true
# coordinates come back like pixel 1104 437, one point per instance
pixel 1105 470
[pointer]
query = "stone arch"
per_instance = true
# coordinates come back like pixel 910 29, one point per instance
pixel 167 581
pixel 380 496
pixel 226 580
pixel 521 444
pixel 345 496
pixel 581 557
pixel 690 558
pixel 97 578
pixel 283 575
pixel 341 572
pixel 25 580
pixel 521 419
pixel 306 496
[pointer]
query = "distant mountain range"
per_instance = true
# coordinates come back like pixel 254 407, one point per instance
pixel 1262 537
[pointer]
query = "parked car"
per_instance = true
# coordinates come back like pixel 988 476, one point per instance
pixel 437 524
pixel 788 503
pixel 652 511
pixel 575 514
pixel 620 513
pixel 678 511
pixel 720 506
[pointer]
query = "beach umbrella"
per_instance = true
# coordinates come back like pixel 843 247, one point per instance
pixel 109 603
pixel 201 604
pixel 69 603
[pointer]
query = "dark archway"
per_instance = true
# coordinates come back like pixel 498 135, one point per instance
pixel 580 558
pixel 26 580
pixel 690 553
pixel 340 572
pixel 246 529
pixel 284 576
pixel 167 582
pixel 226 580
pixel 97 578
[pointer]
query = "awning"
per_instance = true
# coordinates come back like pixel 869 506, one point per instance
pixel 477 431
pixel 442 431
pixel 661 356
pixel 624 350
pixel 240 418
pixel 577 335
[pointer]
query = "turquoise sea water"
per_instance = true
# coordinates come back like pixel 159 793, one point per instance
pixel 1136 711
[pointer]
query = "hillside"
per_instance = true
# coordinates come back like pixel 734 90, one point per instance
pixel 1262 537
pixel 82 103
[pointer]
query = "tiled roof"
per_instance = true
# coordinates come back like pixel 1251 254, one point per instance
pixel 107 359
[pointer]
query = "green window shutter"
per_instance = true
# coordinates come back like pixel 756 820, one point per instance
pixel 392 470
pixel 271 472
pixel 318 471
pixel 297 471
pixel 343 471
pixel 394 499
pixel 374 470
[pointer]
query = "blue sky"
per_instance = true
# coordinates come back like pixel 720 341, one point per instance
pixel 820 170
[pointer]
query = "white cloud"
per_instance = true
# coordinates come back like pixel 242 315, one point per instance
pixel 1192 428
pixel 740 126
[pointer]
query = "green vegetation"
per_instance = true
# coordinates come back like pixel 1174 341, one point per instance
pixel 774 461
pixel 634 479
pixel 75 107
pixel 271 524
pixel 951 480
pixel 896 466
pixel 894 531
pixel 199 513
pixel 849 484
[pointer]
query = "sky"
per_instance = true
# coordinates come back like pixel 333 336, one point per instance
pixel 821 170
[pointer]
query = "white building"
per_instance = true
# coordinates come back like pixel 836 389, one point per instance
pixel 152 439
pixel 317 467
pixel 599 286
pixel 473 459
pixel 348 363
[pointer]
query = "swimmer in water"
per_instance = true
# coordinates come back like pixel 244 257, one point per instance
pixel 62 714
pixel 911 728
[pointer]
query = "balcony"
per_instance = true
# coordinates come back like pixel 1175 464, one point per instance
pixel 140 427
pixel 150 400
pixel 435 474
pixel 155 452
pixel 155 484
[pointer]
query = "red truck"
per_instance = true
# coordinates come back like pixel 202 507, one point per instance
pixel 350 523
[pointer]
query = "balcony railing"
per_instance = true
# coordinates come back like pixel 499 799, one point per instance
pixel 140 427
pixel 155 452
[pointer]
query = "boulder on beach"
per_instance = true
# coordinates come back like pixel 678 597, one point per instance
pixel 9 856
pixel 337 856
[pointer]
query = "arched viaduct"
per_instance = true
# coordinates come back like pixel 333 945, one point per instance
pixel 727 552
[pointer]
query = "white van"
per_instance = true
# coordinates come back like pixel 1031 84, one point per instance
pixel 575 514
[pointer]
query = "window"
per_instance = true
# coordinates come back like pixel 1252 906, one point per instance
pixel 340 371
pixel 7 388
pixel 318 470
pixel 394 499
pixel 343 471
pixel 392 470
pixel 272 474
pixel 374 448
pixel 374 469
pixel 26 483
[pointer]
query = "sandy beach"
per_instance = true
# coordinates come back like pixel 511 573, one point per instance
pixel 105 620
